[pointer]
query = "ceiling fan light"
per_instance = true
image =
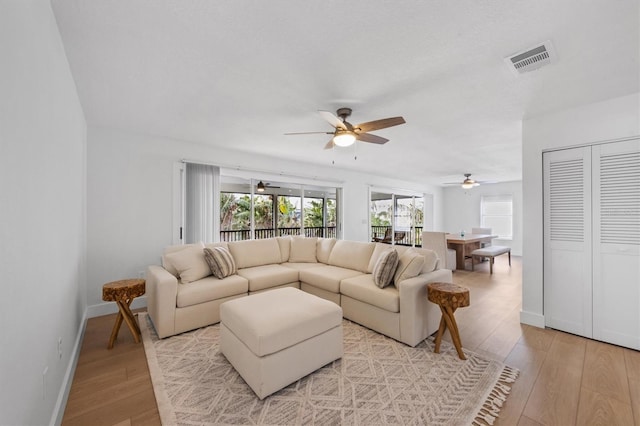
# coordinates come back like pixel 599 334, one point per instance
pixel 260 187
pixel 469 183
pixel 344 139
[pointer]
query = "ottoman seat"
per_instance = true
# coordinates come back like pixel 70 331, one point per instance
pixel 277 337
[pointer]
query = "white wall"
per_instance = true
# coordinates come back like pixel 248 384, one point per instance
pixel 130 200
pixel 462 210
pixel 42 214
pixel 608 120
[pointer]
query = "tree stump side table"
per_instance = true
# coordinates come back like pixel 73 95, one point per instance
pixel 449 297
pixel 123 292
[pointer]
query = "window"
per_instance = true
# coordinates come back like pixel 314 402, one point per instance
pixel 497 213
pixel 214 204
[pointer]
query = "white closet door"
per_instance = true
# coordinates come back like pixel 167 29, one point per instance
pixel 616 234
pixel 567 241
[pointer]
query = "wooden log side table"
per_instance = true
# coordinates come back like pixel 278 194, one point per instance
pixel 449 297
pixel 123 292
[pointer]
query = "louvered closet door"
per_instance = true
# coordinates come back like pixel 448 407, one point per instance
pixel 567 241
pixel 616 249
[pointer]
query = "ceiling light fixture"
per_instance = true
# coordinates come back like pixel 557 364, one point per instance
pixel 260 186
pixel 344 138
pixel 468 183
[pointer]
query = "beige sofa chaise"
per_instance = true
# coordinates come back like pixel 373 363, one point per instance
pixel 182 294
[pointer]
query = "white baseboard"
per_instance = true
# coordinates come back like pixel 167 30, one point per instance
pixel 108 308
pixel 63 394
pixel 532 318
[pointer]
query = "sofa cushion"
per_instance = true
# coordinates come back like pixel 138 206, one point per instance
pixel 323 249
pixel 267 276
pixel 363 288
pixel 351 255
pixel 166 264
pixel 303 250
pixel 409 266
pixel 299 266
pixel 220 261
pixel 285 248
pixel 327 277
pixel 219 244
pixel 210 288
pixel 385 268
pixel 250 253
pixel 189 263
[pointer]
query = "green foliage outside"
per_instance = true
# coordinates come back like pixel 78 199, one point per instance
pixel 235 212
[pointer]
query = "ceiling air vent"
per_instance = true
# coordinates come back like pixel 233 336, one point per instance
pixel 532 58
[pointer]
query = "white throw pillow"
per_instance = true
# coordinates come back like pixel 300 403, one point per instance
pixel 166 264
pixel 385 268
pixel 430 259
pixel 190 264
pixel 303 250
pixel 409 266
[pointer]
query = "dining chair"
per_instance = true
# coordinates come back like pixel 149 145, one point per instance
pixel 437 241
pixel 485 231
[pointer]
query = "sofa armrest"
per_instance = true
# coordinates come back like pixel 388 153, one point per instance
pixel 419 318
pixel 162 292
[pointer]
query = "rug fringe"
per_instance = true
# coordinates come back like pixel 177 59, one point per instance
pixel 491 407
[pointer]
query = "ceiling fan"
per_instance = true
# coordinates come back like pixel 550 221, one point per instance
pixel 261 186
pixel 467 183
pixel 346 134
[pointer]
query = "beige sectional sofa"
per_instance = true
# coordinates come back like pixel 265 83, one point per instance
pixel 182 294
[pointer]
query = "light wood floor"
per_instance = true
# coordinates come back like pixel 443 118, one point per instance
pixel 564 379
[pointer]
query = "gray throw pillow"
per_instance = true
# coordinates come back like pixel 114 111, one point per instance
pixel 385 268
pixel 220 262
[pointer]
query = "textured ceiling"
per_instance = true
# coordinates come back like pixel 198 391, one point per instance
pixel 239 74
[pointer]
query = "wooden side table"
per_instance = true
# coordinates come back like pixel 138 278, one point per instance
pixel 449 297
pixel 123 292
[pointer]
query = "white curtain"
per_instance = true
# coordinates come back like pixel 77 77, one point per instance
pixel 202 203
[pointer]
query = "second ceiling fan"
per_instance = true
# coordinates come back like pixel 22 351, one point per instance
pixel 346 134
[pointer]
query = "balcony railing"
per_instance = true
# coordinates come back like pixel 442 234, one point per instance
pixel 408 238
pixel 245 234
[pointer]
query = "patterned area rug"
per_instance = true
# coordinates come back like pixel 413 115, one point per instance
pixel 378 381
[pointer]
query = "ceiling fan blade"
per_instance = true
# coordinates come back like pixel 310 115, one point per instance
pixel 380 124
pixel 309 133
pixel 368 137
pixel 332 119
pixel 329 144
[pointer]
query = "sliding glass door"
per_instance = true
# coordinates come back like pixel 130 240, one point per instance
pixel 396 218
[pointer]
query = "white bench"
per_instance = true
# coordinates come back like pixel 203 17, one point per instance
pixel 490 252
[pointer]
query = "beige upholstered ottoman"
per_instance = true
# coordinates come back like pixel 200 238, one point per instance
pixel 277 337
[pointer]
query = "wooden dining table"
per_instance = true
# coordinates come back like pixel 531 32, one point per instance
pixel 465 245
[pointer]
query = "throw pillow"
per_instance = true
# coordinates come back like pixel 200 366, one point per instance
pixel 303 250
pixel 409 266
pixel 430 259
pixel 166 264
pixel 385 268
pixel 220 261
pixel 190 264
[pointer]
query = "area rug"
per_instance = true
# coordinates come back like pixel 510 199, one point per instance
pixel 378 381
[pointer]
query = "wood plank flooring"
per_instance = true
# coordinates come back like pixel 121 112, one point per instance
pixel 564 379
